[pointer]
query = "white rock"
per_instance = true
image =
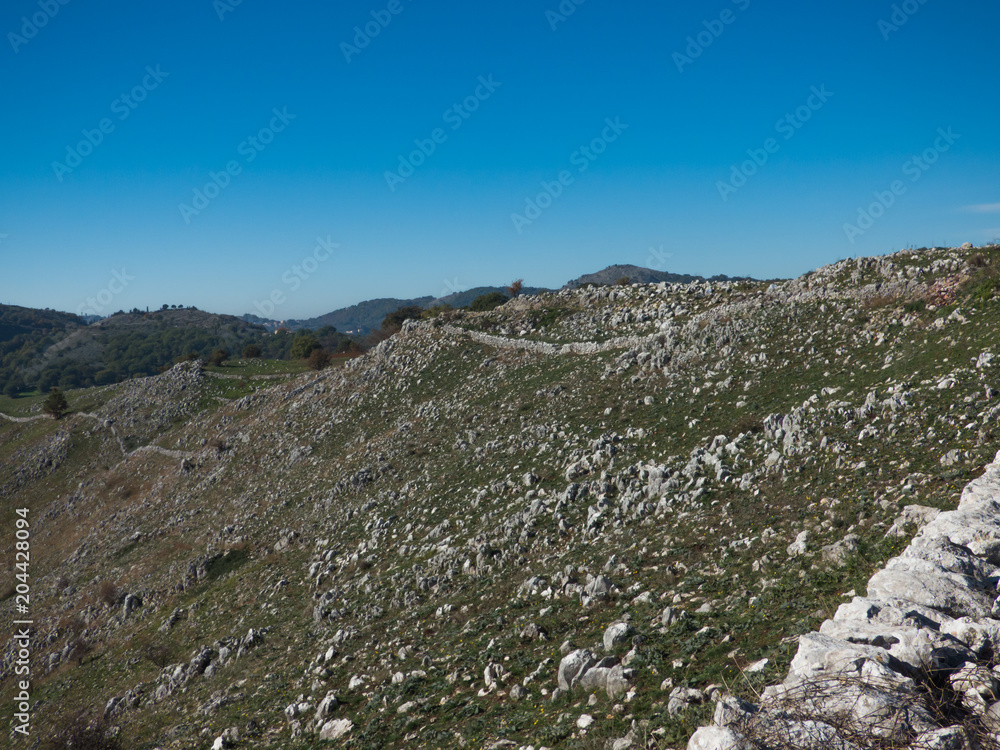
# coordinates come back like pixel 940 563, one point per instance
pixel 800 545
pixel 616 633
pixel 758 666
pixel 334 730
pixel 716 738
pixel 573 666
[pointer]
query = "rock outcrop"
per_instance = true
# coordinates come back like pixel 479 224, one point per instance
pixel 912 664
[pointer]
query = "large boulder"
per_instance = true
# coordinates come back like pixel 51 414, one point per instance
pixel 617 633
pixel 573 666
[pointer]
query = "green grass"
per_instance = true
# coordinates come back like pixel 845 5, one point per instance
pixel 252 367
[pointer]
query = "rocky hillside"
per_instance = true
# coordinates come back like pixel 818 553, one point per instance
pixel 580 520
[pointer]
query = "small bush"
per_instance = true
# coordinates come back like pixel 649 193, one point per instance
pixel 251 351
pixel 219 356
pixel 487 302
pixel 107 593
pixel 318 359
pixel 915 306
pixel 394 320
pixel 56 405
pixel 76 733
pixel 433 312
pixel 158 653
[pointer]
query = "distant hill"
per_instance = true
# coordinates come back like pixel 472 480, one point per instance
pixel 464 299
pixel 638 275
pixel 360 318
pixel 25 321
pixel 43 348
pixel 367 316
pixel 25 334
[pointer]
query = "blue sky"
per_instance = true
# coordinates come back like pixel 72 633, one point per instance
pixel 449 145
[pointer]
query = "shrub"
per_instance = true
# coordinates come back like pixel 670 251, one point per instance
pixel 158 654
pixel 107 592
pixel 433 312
pixel 486 302
pixel 515 288
pixel 56 405
pixel 251 351
pixel 219 356
pixel 318 359
pixel 303 345
pixel 76 733
pixel 395 320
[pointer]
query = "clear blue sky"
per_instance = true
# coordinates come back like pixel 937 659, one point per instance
pixel 687 111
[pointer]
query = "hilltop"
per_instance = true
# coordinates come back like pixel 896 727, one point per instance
pixel 577 519
pixel 637 275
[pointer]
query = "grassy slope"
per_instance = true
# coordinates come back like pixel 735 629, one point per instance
pixel 286 461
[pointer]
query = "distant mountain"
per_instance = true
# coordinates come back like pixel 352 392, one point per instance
pixel 637 275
